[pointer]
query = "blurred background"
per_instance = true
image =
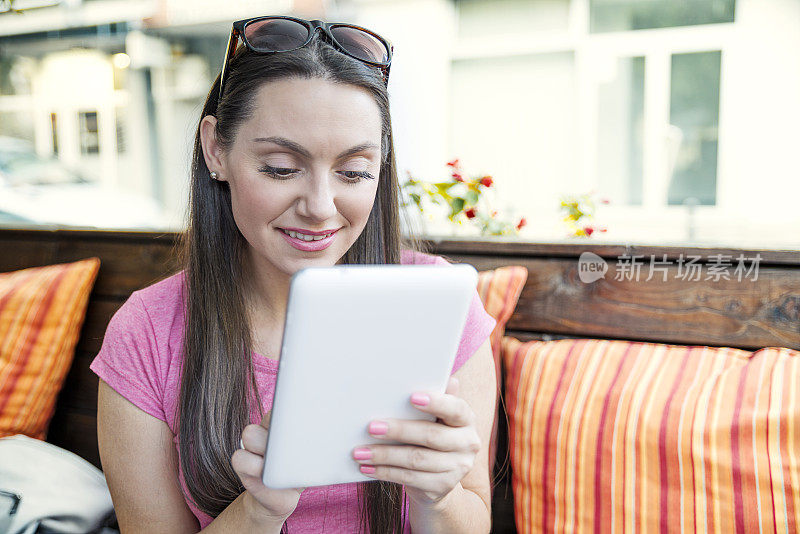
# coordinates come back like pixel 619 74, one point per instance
pixel 683 115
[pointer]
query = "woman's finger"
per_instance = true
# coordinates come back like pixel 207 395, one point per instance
pixel 407 456
pixel 452 410
pixel 425 433
pixel 247 463
pixel 452 386
pixel 421 480
pixel 254 439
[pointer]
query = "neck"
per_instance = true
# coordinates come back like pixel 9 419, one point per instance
pixel 266 292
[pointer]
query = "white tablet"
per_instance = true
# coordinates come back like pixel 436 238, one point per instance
pixel 357 342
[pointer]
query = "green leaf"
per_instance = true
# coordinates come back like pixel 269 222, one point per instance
pixel 456 205
pixel 472 198
pixel 442 187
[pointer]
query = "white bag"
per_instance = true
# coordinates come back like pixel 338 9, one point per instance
pixel 60 491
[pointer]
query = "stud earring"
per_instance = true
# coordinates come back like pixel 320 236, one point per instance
pixel 214 175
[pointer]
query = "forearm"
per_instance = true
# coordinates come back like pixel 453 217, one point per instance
pixel 241 516
pixel 462 511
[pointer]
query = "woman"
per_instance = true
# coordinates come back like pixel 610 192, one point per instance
pixel 296 145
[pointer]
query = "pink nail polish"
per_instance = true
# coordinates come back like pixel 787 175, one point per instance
pixel 362 453
pixel 420 399
pixel 378 428
pixel 367 469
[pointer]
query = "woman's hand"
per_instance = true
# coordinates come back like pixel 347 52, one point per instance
pixel 435 455
pixel 274 505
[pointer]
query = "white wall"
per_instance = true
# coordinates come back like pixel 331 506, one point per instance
pixel 761 110
pixel 528 117
pixel 422 32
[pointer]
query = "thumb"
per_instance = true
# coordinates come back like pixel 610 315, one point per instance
pixel 452 386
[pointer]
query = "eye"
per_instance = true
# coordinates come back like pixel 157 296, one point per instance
pixel 356 176
pixel 280 173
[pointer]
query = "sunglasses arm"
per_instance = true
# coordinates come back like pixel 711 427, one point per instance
pixel 233 40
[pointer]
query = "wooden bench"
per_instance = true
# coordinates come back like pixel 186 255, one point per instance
pixel 555 303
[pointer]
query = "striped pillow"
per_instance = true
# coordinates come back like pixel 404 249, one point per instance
pixel 499 290
pixel 607 436
pixel 41 313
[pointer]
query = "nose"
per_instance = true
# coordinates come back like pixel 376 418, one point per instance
pixel 317 201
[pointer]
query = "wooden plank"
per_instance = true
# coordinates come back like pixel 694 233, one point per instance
pixel 124 267
pixel 75 431
pixel 758 311
pixel 501 247
pixel 79 391
pixel 84 234
pixel 128 260
pixel 17 254
pixel 98 313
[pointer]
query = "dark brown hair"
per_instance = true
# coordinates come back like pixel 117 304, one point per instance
pixel 218 385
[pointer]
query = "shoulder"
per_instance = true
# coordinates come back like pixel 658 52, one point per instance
pixel 166 291
pixel 151 310
pixel 137 351
pixel 413 257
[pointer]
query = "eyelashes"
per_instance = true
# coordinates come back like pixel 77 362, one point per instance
pixel 277 172
pixel 284 173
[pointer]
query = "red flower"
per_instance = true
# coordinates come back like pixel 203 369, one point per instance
pixel 605 201
pixel 453 163
pixel 588 230
pixel 470 213
pixel 494 213
pixel 457 177
pixel 486 181
pixel 522 222
pixel 602 229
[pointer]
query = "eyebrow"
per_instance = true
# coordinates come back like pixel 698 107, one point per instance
pixel 295 147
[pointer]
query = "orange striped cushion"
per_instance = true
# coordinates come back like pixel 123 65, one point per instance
pixel 499 290
pixel 41 313
pixel 613 436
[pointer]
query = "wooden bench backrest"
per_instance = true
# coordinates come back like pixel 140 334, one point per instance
pixel 762 309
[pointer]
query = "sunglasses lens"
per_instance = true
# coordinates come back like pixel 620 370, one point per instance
pixel 361 44
pixel 275 35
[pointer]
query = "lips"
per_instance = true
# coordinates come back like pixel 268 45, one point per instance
pixel 309 246
pixel 310 232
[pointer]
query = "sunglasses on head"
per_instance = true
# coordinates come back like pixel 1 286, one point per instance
pixel 266 35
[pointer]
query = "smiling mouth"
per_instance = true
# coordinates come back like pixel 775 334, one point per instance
pixel 307 237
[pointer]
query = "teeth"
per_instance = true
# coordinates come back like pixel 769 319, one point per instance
pixel 306 237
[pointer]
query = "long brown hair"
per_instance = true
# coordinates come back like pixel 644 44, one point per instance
pixel 215 400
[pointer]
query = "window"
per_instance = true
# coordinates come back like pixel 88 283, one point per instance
pixel 523 127
pixel 622 15
pixel 89 139
pixel 694 114
pixel 671 109
pixel 54 132
pixel 501 18
pixel 119 120
pixel 17 124
pixel 657 123
pixel 620 132
pixel 16 75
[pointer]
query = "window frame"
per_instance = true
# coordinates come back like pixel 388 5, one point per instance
pixel 657 46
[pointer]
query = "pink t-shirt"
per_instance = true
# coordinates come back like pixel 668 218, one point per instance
pixel 140 358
